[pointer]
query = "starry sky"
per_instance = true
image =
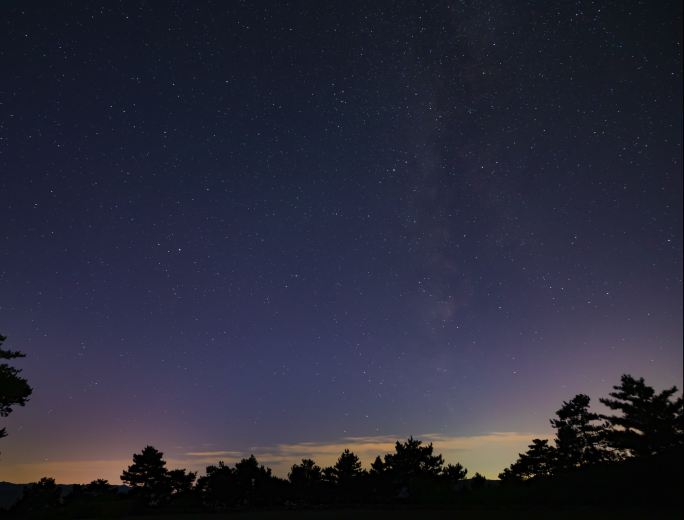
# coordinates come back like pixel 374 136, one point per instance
pixel 292 227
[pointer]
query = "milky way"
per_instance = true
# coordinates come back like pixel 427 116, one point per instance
pixel 254 224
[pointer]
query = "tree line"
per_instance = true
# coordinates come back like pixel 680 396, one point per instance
pixel 646 425
pixel 650 423
pixel 413 473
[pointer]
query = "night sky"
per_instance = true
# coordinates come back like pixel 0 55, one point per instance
pixel 291 227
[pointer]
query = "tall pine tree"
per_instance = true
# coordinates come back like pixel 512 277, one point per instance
pixel 14 389
pixel 578 435
pixel 650 423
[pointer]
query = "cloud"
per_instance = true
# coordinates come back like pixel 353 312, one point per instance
pixel 487 453
pixel 219 453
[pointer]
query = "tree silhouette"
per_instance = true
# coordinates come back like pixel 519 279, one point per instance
pixel 537 462
pixel 454 472
pixel 148 475
pixel 478 481
pixel 579 441
pixel 98 487
pixel 380 485
pixel 578 437
pixel 411 469
pixel 247 484
pixel 252 482
pixel 346 478
pixel 40 498
pixel 377 467
pixel 347 468
pixel 14 389
pixel 650 423
pixel 306 479
pixel 181 481
pixel 218 487
pixel 412 459
pixel 650 426
pixel 328 476
pixel 305 474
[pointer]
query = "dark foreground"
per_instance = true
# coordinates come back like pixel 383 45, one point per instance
pixel 647 488
pixel 541 513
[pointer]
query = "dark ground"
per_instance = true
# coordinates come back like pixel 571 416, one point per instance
pixel 461 514
pixel 484 514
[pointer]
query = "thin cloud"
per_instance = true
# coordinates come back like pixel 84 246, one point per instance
pixel 487 453
pixel 218 453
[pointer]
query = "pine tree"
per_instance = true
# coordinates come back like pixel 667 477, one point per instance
pixel 14 389
pixel 347 468
pixel 252 481
pixel 412 459
pixel 454 472
pixel 578 436
pixel 181 480
pixel 650 422
pixel 413 468
pixel 148 475
pixel 537 462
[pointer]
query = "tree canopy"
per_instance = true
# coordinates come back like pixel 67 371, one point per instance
pixel 587 449
pixel 347 468
pixel 413 459
pixel 578 436
pixel 651 421
pixel 14 389
pixel 148 474
pixel 538 461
